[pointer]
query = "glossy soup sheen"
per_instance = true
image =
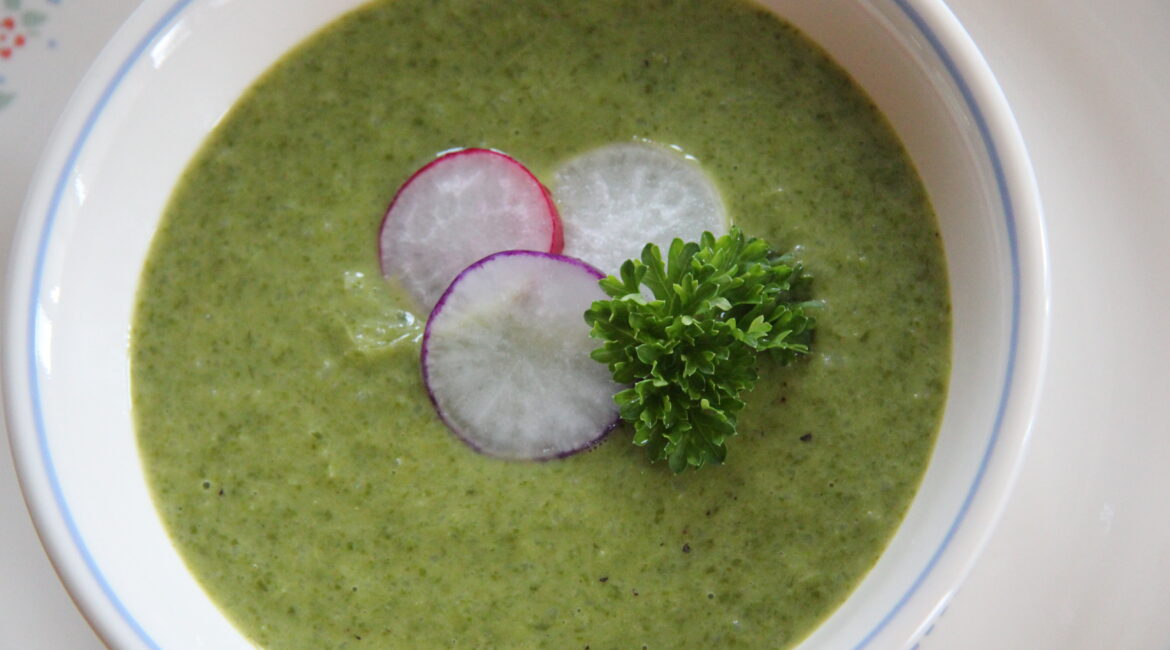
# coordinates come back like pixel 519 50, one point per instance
pixel 288 440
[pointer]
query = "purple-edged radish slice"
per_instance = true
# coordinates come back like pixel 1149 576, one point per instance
pixel 457 209
pixel 615 199
pixel 505 357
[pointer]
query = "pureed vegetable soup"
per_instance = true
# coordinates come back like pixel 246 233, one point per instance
pixel 293 452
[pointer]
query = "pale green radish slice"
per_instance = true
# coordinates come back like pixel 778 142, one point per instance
pixel 616 199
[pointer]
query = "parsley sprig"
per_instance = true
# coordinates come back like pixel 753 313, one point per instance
pixel 689 349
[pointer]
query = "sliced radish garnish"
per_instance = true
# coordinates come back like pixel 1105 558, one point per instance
pixel 615 199
pixel 457 209
pixel 505 357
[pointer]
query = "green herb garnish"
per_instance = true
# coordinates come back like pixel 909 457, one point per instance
pixel 690 351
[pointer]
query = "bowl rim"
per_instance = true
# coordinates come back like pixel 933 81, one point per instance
pixel 35 470
pixel 1030 302
pixel 988 494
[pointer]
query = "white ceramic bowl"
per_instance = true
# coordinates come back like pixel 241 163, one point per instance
pixel 177 66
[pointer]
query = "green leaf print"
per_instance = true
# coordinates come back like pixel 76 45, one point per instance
pixel 32 18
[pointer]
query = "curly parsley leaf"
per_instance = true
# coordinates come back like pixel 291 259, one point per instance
pixel 684 335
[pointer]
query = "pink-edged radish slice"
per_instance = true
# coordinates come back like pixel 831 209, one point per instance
pixel 505 357
pixel 615 199
pixel 459 208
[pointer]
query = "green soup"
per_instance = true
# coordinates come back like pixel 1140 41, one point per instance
pixel 293 452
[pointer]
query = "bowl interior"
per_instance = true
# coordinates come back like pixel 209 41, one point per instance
pixel 176 68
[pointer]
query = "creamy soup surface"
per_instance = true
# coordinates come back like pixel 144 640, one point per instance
pixel 290 445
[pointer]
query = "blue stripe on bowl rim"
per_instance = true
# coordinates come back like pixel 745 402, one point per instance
pixel 1013 341
pixel 38 277
pixel 171 16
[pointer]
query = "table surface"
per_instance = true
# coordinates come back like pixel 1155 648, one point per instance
pixel 1081 558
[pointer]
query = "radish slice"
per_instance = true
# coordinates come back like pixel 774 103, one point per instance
pixel 505 357
pixel 615 199
pixel 457 209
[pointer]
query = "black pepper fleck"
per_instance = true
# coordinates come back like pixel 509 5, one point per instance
pixel 686 548
pixel 806 437
pixel 604 579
